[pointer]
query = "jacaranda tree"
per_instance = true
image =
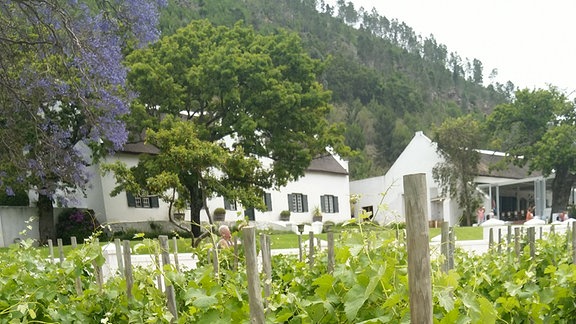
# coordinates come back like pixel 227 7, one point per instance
pixel 63 88
pixel 247 113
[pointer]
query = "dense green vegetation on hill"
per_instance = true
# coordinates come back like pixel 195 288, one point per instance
pixel 387 81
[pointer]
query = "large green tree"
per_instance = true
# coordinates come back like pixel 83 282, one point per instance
pixel 256 112
pixel 538 130
pixel 458 140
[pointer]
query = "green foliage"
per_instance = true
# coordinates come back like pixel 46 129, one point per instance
pixel 368 285
pixel 458 140
pixel 80 223
pixel 244 96
pixel 537 130
pixel 20 198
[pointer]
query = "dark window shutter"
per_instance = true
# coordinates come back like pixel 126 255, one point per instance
pixel 226 204
pixel 322 205
pixel 154 203
pixel 268 200
pixel 304 203
pixel 290 203
pixel 336 204
pixel 131 200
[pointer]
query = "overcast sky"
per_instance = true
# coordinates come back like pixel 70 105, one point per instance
pixel 531 43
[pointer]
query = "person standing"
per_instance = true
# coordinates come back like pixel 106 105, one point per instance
pixel 529 214
pixel 480 213
pixel 226 237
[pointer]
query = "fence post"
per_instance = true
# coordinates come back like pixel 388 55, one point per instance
pixel 254 290
pixel 128 268
pixel 170 296
pixel 419 280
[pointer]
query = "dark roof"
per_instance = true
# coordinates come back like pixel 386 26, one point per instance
pixel 490 159
pixel 139 147
pixel 327 163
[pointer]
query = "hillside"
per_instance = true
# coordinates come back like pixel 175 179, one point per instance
pixel 387 81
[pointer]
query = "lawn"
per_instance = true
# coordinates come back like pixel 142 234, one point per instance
pixel 278 240
pixel 462 233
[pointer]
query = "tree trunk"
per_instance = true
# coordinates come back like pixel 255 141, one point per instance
pixel 196 202
pixel 561 188
pixel 46 219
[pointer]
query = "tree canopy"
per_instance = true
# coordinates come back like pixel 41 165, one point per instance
pixel 538 129
pixel 62 83
pixel 458 140
pixel 250 104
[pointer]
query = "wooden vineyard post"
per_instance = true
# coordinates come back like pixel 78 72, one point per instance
pixel 77 280
pixel 118 246
pixel 331 259
pixel 517 242
pixel 176 262
pixel 573 242
pixel 170 295
pixel 311 246
pixel 445 246
pixel 60 250
pixel 266 263
pixel 531 239
pixel 254 290
pixel 128 268
pixel 51 249
pixel 419 280
pixel 236 258
pixel 509 238
pixel 98 269
pixel 300 230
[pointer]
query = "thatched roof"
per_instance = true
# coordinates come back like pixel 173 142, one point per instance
pixel 327 163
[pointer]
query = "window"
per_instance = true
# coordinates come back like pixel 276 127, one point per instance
pixel 329 204
pixel 268 201
pixel 142 201
pixel 298 203
pixel 230 204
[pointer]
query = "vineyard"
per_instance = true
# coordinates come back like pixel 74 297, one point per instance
pixel 368 284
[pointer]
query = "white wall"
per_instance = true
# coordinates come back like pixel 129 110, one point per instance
pixel 386 193
pixel 116 208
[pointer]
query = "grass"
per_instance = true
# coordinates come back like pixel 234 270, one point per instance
pixel 462 233
pixel 279 240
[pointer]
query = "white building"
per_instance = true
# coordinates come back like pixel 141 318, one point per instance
pixel 506 193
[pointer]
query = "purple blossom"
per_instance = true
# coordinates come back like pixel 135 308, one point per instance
pixel 72 86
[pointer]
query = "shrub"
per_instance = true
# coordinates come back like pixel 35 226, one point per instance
pixel 80 223
pixel 20 198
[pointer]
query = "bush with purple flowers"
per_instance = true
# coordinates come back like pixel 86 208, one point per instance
pixel 80 223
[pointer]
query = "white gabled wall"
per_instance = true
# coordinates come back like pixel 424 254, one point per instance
pixel 385 194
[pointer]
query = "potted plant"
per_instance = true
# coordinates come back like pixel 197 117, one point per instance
pixel 285 215
pixel 316 214
pixel 219 214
